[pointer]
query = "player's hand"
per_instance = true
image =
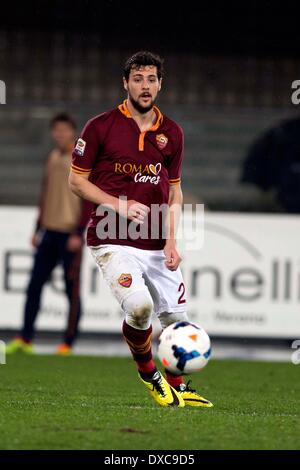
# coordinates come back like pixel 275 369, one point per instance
pixel 133 210
pixel 173 258
pixel 74 243
pixel 35 240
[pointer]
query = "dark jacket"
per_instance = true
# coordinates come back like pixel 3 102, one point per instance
pixel 273 162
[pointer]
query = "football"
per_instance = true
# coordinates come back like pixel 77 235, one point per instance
pixel 184 348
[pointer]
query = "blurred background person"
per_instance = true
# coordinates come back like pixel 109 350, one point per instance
pixel 273 164
pixel 58 238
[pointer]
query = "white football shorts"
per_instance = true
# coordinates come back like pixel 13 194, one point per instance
pixel 128 269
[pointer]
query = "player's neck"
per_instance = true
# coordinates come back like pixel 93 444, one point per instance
pixel 144 121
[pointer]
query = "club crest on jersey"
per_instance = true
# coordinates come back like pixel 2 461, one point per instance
pixel 80 147
pixel 161 141
pixel 125 280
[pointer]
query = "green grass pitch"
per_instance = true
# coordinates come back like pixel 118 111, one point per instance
pixel 49 402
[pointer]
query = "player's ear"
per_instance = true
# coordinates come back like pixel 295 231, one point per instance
pixel 125 84
pixel 159 85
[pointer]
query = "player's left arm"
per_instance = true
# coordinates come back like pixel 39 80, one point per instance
pixel 175 203
pixel 175 200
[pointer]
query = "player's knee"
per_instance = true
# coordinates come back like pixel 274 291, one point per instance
pixel 138 308
pixel 142 315
pixel 167 318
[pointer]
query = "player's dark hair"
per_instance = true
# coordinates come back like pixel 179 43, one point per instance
pixel 63 117
pixel 143 58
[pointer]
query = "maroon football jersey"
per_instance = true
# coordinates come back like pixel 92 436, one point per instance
pixel 123 161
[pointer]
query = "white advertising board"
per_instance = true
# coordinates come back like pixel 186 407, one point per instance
pixel 243 281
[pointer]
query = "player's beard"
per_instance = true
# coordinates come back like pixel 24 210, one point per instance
pixel 138 107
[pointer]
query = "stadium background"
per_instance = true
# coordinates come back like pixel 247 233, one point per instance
pixel 226 81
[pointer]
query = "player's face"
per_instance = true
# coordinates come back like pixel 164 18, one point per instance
pixel 63 134
pixel 143 86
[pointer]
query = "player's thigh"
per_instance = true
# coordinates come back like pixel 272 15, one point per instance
pixel 120 270
pixel 168 287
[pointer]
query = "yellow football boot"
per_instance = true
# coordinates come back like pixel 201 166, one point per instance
pixel 18 345
pixel 191 397
pixel 162 392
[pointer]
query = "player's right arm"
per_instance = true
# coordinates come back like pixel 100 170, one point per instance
pixel 84 158
pixel 132 210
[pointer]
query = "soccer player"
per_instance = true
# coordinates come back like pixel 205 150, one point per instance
pixel 128 160
pixel 58 238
